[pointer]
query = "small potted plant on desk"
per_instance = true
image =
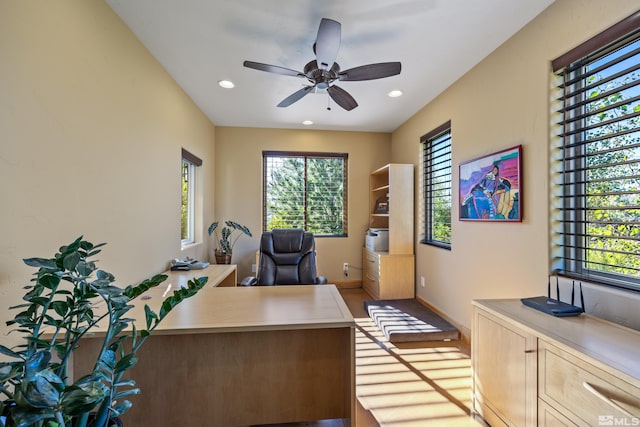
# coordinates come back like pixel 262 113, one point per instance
pixel 63 304
pixel 224 251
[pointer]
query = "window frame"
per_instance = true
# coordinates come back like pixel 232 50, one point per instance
pixel 570 152
pixel 267 154
pixel 432 166
pixel 188 168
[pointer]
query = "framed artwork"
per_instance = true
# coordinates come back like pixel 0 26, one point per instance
pixel 491 187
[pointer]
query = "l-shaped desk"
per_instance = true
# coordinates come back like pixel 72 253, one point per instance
pixel 237 356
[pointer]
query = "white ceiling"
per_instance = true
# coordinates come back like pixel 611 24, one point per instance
pixel 200 42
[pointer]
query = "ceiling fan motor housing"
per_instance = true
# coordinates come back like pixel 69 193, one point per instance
pixel 321 78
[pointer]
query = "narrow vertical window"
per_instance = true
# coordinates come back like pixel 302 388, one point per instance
pixel 187 204
pixel 436 169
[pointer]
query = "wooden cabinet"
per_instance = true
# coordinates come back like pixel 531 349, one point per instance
pixel 504 371
pixel 390 274
pixel 530 368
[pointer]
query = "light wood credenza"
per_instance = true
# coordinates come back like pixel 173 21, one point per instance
pixel 237 356
pixel 530 368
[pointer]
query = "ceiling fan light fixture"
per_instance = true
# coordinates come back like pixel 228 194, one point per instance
pixel 227 84
pixel 395 93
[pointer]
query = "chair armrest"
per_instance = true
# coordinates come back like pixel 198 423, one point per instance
pixel 321 280
pixel 249 281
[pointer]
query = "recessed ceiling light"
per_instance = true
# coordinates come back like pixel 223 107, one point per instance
pixel 307 122
pixel 227 84
pixel 395 93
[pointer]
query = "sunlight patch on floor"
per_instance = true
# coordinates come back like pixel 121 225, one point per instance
pixel 406 387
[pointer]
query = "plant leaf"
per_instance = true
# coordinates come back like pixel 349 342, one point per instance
pixel 212 227
pixel 122 407
pixel 70 261
pixel 84 395
pixel 8 352
pixel 127 362
pixel 49 264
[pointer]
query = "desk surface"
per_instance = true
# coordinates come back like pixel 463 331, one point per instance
pixel 253 308
pixel 217 274
pixel 245 308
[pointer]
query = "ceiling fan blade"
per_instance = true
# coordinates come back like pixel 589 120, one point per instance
pixel 327 43
pixel 272 69
pixel 342 97
pixel 371 71
pixel 296 96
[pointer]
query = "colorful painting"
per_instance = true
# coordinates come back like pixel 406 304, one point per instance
pixel 491 187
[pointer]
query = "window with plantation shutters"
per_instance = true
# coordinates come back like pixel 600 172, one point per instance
pixel 305 190
pixel 595 159
pixel 436 177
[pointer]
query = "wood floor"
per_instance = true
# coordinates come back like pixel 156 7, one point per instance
pixel 415 385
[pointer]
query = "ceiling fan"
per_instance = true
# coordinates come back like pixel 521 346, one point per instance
pixel 323 71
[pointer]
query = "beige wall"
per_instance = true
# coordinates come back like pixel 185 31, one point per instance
pixel 504 102
pixel 238 189
pixel 91 128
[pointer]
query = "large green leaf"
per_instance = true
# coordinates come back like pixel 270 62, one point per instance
pixel 84 395
pixel 38 362
pixel 41 393
pixel 127 362
pixel 41 263
pixel 8 352
pixel 71 260
pixel 86 268
pixel 108 358
pixel 49 281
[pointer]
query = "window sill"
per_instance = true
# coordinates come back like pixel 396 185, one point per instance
pixel 189 246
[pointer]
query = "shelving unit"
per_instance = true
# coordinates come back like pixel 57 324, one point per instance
pixel 390 274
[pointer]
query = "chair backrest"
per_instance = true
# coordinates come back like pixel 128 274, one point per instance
pixel 287 257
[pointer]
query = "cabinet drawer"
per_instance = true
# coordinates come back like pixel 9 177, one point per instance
pixel 550 417
pixel 371 286
pixel 371 264
pixel 582 392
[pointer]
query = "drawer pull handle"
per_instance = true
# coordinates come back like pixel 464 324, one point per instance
pixel 605 399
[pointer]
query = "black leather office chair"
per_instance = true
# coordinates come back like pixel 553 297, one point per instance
pixel 287 257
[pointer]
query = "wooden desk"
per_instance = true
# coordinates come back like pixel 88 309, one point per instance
pixel 236 356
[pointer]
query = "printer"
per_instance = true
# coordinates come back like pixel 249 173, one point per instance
pixel 377 239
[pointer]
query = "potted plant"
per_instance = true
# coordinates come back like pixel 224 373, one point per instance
pixel 224 251
pixel 62 305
